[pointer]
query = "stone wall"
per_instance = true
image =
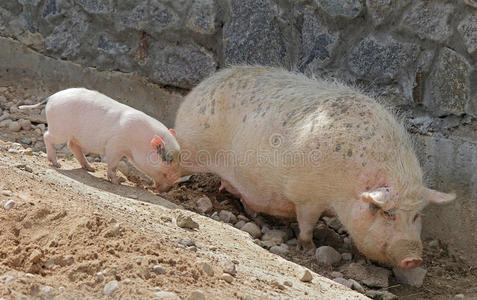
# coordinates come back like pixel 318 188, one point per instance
pixel 419 56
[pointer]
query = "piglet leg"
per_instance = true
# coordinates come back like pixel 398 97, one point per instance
pixel 307 217
pixel 50 149
pixel 76 149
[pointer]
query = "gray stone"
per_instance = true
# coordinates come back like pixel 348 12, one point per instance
pixel 204 205
pixel 14 126
pixel 327 236
pixel 468 31
pixel 335 274
pixel 327 255
pixel 7 193
pixel 207 269
pixel 306 276
pixel 160 17
pixel 356 286
pixel 227 278
pixel 346 256
pixel 201 17
pixel 229 268
pixel 25 124
pixel 95 6
pixel 252 229
pixel 9 205
pixel 471 3
pixel 347 283
pixel 382 10
pixel 252 36
pixel 47 290
pixel 381 295
pixel 369 275
pixel 381 59
pixel 196 295
pixel 159 269
pixel 182 66
pixel 318 43
pixel 344 8
pixel 111 287
pixel 227 216
pixel 163 295
pixel 448 85
pixel 413 277
pixel 429 20
pixel 274 236
pixel 6 279
pixel 280 250
pixel 333 223
pixel 239 224
pixel 184 221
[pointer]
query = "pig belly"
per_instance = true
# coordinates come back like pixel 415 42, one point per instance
pixel 276 206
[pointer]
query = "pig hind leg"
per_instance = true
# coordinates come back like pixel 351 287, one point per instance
pixel 307 216
pixel 76 149
pixel 50 148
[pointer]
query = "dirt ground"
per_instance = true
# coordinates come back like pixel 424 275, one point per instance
pixel 67 226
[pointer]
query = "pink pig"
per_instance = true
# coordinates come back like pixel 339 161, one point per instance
pixel 91 121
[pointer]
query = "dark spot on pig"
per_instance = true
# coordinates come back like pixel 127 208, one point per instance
pixel 363 164
pixel 212 109
pixel 244 85
pixel 367 188
pixel 348 125
pixel 344 109
pixel 318 145
pixel 202 109
pixel 263 114
pixel 284 123
pixel 361 114
pixel 361 155
pixel 357 126
pixel 244 118
pixel 350 153
pixel 338 147
pixel 233 105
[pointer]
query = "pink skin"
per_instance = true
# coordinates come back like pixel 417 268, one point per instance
pixel 92 122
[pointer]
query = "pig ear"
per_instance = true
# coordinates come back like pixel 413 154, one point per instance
pixel 157 142
pixel 172 131
pixel 439 198
pixel 379 197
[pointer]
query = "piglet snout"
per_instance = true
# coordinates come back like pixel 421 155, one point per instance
pixel 410 262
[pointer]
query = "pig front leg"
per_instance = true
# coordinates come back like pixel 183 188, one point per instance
pixel 76 150
pixel 50 149
pixel 112 159
pixel 307 216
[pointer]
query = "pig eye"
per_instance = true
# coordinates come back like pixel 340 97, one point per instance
pixel 389 214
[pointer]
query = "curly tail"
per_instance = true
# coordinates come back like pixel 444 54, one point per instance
pixel 34 105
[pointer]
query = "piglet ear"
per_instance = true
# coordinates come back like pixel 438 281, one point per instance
pixel 172 131
pixel 157 142
pixel 439 198
pixel 379 197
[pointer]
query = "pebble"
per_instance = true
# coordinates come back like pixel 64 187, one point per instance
pixel 227 277
pixel 346 256
pixel 186 222
pixel 14 126
pixel 239 224
pixel 252 229
pixel 207 269
pixel 61 289
pixel 158 269
pixel 333 222
pixel 306 276
pixel 163 295
pixel 35 256
pixel 280 250
pixel 327 255
pixel 215 216
pixel 356 286
pixel 275 236
pixel 230 269
pixel 369 275
pixel 111 287
pixel 292 242
pixel 344 282
pixel 227 217
pixel 25 124
pixel 288 283
pixel 243 218
pixel 100 276
pixel 47 290
pixel 9 205
pixel 26 141
pixel 335 274
pixel 7 279
pixel 382 295
pixel 413 277
pixel 204 205
pixel 434 244
pixel 42 127
pixel 196 295
pixel 192 248
pixel 459 296
pixel 127 281
pixel 5 123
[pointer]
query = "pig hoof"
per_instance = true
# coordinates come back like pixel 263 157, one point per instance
pixel 89 168
pixel 114 181
pixel 307 247
pixel 56 165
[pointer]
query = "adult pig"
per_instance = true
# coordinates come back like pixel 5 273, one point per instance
pixel 292 146
pixel 91 121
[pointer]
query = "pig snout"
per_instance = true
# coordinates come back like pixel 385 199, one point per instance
pixel 406 253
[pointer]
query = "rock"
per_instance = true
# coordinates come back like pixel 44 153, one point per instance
pixel 227 216
pixel 6 279
pixel 239 224
pixel 252 35
pixel 163 295
pixel 35 256
pixel 47 290
pixel 274 236
pixel 159 269
pixel 344 282
pixel 100 276
pixel 280 250
pixel 111 287
pixel 383 10
pixel 252 229
pixel 25 124
pixel 288 283
pixel 42 127
pixel 413 277
pixel 434 244
pixel 467 29
pixel 356 286
pixel 227 277
pixel 196 295
pixel 381 60
pixel 333 223
pixel 184 221
pixel 459 296
pixel 429 20
pixel 207 269
pixel 243 218
pixel 292 242
pixel 327 236
pixel 201 17
pixel 318 42
pixel 192 248
pixel 335 274
pixel 344 8
pixel 369 275
pixel 204 205
pixel 306 276
pixel 346 256
pixel 327 255
pixel 229 268
pixel 26 141
pixel 7 193
pixel 9 205
pixel 381 295
pixel 448 85
pixel 215 216
pixel 5 123
pixel 14 126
